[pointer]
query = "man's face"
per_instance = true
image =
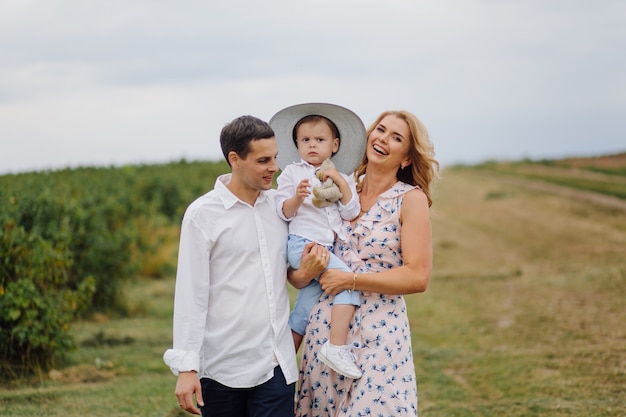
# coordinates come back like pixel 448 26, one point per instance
pixel 256 172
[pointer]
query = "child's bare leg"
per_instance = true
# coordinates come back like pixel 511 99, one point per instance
pixel 340 318
pixel 335 353
pixel 297 339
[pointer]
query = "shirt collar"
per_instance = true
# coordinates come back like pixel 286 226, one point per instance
pixel 303 163
pixel 227 197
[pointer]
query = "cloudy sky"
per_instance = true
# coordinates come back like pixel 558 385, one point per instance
pixel 148 81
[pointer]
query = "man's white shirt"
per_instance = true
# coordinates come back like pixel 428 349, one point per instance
pixel 231 304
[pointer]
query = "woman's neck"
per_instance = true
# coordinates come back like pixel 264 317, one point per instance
pixel 375 184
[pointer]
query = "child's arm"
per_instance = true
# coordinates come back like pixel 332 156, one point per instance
pixel 349 206
pixel 341 182
pixel 292 204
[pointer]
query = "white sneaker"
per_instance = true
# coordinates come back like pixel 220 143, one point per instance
pixel 340 359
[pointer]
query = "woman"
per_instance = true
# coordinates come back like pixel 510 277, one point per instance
pixel 389 249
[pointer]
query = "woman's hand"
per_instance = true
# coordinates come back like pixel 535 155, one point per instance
pixel 333 281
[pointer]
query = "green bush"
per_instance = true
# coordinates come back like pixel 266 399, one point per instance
pixel 65 249
pixel 37 303
pixel 69 241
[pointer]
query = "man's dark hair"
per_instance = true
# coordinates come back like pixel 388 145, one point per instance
pixel 237 135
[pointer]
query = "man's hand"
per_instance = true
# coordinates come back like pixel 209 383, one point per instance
pixel 187 385
pixel 313 261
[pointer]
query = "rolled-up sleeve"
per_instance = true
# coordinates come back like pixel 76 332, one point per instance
pixel 190 300
pixel 285 188
pixel 181 361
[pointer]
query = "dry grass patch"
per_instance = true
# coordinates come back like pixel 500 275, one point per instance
pixel 524 314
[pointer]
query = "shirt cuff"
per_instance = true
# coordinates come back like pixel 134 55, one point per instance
pixel 181 360
pixel 279 210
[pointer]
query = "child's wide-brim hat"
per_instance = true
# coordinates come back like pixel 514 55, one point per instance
pixel 352 137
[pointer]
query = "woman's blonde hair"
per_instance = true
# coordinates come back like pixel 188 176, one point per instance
pixel 423 169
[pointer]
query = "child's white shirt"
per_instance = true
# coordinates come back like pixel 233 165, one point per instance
pixel 316 224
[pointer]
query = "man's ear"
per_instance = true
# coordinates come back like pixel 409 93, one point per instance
pixel 233 159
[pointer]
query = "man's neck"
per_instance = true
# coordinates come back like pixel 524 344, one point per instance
pixel 243 192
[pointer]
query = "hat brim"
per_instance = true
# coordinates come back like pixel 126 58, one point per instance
pixel 350 126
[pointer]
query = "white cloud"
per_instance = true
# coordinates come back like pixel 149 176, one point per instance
pixel 118 82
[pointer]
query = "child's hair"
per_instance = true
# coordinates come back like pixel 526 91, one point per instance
pixel 314 118
pixel 237 135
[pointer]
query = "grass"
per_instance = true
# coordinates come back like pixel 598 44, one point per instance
pixel 117 369
pixel 605 175
pixel 524 316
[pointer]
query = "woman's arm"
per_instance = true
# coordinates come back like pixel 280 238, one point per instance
pixel 417 253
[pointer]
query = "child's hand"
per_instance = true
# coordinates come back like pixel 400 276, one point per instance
pixel 293 203
pixel 303 190
pixel 340 182
pixel 331 173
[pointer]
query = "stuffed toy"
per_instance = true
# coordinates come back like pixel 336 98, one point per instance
pixel 327 193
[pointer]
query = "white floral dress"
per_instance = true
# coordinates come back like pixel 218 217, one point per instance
pixel 379 332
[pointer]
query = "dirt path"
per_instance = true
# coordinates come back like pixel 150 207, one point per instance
pixel 596 198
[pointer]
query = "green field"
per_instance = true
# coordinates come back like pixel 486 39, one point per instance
pixel 524 315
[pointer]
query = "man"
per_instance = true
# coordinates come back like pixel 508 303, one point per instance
pixel 232 345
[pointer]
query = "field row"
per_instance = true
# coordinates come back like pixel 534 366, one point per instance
pixel 604 175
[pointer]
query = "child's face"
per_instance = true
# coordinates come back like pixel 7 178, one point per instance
pixel 316 142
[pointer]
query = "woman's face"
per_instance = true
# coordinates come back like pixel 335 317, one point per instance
pixel 389 142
